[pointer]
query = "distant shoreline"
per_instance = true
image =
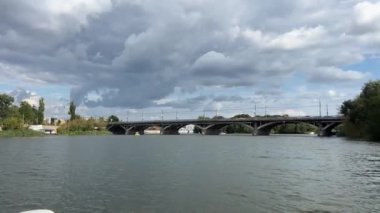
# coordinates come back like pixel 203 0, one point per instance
pixel 31 133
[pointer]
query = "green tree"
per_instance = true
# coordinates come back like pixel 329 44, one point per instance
pixel 72 109
pixel 13 112
pixel 241 116
pixel 218 117
pixel 27 112
pixel 6 102
pixel 363 113
pixel 201 117
pixel 41 111
pixel 12 123
pixel 113 118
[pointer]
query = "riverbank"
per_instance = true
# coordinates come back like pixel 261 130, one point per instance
pixel 31 133
pixel 21 133
pixel 80 133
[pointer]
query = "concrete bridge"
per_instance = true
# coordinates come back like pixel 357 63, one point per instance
pixel 257 125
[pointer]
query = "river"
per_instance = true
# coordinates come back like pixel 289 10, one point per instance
pixel 189 174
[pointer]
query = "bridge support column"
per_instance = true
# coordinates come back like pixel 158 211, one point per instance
pixel 128 131
pixel 324 133
pixel 132 131
pixel 254 131
pixel 170 132
pixel 262 132
pixel 211 131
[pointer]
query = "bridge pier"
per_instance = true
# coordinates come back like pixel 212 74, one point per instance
pixel 262 132
pixel 211 131
pixel 133 132
pixel 323 133
pixel 327 131
pixel 170 132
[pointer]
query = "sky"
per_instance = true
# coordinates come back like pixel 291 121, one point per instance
pixel 141 59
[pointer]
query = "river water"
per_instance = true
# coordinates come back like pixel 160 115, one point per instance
pixel 189 174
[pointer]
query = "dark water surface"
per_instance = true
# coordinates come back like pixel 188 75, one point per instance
pixel 189 174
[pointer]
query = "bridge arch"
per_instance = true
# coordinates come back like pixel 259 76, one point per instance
pixel 116 129
pixel 265 129
pixel 327 129
pixel 245 125
pixel 173 129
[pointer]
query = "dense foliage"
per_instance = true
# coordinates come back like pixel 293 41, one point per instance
pixel 6 102
pixel 113 118
pixel 363 113
pixel 82 126
pixel 14 117
pixel 296 128
pixel 21 133
pixel 15 120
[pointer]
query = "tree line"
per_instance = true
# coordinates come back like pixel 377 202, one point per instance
pixel 362 114
pixel 13 117
pixel 19 117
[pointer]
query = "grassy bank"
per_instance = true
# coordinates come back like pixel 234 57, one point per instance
pixel 21 133
pixel 31 133
pixel 77 133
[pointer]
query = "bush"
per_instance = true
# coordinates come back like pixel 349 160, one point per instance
pixel 81 125
pixel 12 123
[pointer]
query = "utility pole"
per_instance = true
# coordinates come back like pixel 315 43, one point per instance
pixel 327 109
pixel 255 110
pixel 265 106
pixel 320 110
pixel 127 116
pixel 142 116
pixel 162 115
pixel 176 115
pixel 216 112
pixel 265 109
pixel 204 114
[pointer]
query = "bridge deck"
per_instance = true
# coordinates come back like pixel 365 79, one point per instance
pixel 232 121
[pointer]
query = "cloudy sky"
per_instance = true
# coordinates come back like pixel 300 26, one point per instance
pixel 131 56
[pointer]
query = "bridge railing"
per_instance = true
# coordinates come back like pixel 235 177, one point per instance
pixel 252 119
pixel 295 110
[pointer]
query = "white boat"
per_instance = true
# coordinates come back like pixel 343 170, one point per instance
pixel 137 133
pixel 38 211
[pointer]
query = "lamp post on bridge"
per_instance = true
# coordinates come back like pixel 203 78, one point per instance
pixel 142 116
pixel 265 108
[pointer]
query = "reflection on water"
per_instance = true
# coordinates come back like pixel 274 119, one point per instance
pixel 189 174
